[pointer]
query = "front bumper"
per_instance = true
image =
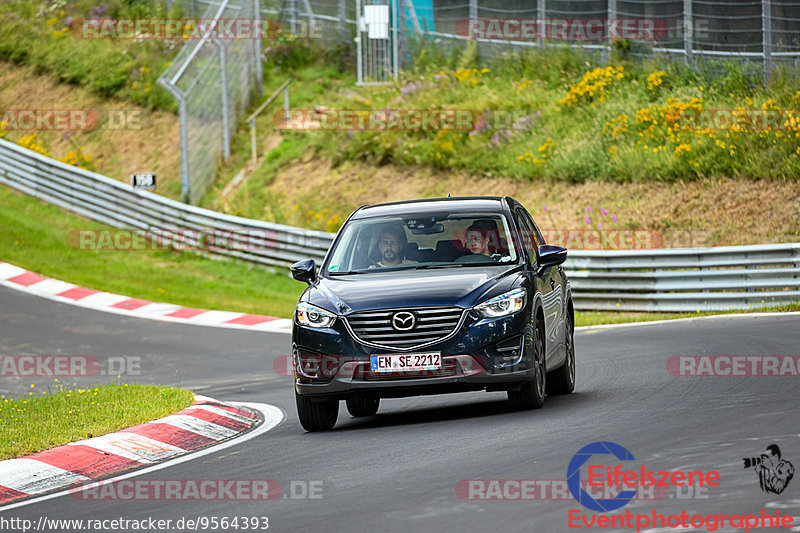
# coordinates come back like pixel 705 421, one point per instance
pixel 485 353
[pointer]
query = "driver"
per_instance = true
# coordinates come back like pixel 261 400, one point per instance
pixel 392 245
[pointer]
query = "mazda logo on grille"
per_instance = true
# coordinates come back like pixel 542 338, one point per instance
pixel 403 321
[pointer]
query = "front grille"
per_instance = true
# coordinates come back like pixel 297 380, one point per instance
pixel 432 324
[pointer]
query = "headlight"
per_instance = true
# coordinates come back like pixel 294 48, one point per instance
pixel 505 304
pixel 313 316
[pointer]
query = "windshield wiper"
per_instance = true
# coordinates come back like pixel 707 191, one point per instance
pixel 447 265
pixel 337 273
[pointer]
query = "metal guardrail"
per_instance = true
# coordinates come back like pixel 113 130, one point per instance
pixel 677 279
pixel 117 204
pixel 685 279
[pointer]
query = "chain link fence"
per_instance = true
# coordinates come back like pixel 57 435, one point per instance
pixel 214 78
pixel 761 32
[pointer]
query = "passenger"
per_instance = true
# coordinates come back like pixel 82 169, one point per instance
pixel 482 238
pixel 392 246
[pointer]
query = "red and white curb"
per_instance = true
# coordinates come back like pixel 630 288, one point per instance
pixel 18 278
pixel 205 423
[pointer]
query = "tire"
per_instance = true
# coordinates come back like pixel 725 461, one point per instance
pixel 316 416
pixel 359 406
pixel 562 381
pixel 531 395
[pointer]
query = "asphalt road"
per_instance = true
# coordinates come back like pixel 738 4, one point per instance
pixel 398 471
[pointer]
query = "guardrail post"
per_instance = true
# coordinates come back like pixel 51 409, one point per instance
pixel 766 38
pixel 688 31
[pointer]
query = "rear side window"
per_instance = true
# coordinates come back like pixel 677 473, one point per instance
pixel 528 234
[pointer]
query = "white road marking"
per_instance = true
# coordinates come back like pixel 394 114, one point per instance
pixel 132 446
pixel 35 477
pixel 199 426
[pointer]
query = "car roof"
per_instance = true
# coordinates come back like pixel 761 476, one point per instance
pixel 433 205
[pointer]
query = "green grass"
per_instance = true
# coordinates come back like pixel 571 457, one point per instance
pixel 598 318
pixel 46 419
pixel 33 235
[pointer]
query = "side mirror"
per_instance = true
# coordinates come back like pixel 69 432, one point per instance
pixel 304 271
pixel 551 255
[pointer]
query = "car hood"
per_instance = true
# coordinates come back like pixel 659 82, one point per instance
pixel 462 287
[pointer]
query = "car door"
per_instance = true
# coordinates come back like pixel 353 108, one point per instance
pixel 539 280
pixel 550 281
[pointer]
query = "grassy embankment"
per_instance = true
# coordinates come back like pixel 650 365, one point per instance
pixel 46 419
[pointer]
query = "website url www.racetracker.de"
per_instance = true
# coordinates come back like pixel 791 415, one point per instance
pixel 200 523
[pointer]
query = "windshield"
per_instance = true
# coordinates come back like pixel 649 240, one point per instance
pixel 431 241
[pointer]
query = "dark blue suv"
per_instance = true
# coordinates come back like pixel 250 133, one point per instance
pixel 429 297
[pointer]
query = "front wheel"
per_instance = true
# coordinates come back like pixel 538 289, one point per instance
pixel 531 395
pixel 359 406
pixel 562 380
pixel 316 416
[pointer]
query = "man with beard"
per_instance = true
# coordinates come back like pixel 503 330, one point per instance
pixel 391 245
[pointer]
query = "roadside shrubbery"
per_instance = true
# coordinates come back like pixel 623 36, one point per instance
pixel 46 34
pixel 75 157
pixel 555 114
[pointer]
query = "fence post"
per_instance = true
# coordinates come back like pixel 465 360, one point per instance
pixel 541 24
pixel 343 22
pixel 294 17
pixel 359 59
pixel 395 44
pixel 766 39
pixel 473 14
pixel 258 46
pixel 183 114
pixel 612 14
pixel 688 31
pixel 402 34
pixel 286 105
pixel 226 119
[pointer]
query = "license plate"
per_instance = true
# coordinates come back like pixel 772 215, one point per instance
pixel 406 362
